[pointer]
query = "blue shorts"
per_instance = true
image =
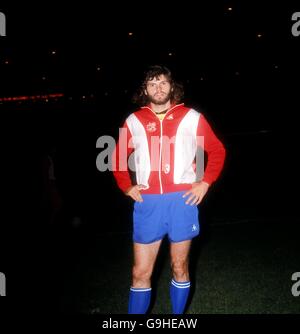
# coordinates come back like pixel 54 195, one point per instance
pixel 164 214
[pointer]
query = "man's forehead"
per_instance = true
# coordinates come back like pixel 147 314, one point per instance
pixel 158 78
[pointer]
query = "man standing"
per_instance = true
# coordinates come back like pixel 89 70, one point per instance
pixel 164 136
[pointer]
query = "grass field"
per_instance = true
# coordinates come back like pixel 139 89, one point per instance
pixel 237 268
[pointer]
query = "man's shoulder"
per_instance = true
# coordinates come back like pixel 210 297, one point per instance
pixel 189 110
pixel 182 107
pixel 140 114
pixel 137 111
pixel 192 109
pixel 135 115
pixel 142 110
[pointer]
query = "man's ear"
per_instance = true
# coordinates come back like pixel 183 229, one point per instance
pixel 145 92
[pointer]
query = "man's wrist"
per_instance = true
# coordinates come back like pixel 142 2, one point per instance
pixel 127 189
pixel 199 182
pixel 206 183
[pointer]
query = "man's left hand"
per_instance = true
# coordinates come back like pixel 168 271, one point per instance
pixel 197 193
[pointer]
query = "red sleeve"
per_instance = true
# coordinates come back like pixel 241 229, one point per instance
pixel 120 157
pixel 214 148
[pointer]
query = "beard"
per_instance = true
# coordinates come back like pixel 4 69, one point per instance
pixel 159 101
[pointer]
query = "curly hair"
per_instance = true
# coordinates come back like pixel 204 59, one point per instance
pixel 155 71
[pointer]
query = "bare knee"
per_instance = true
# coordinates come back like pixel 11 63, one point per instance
pixel 180 271
pixel 141 276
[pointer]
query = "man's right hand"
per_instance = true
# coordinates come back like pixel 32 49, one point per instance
pixel 134 193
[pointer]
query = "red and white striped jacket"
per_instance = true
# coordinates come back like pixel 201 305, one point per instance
pixel 165 150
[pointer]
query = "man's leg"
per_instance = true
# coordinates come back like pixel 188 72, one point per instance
pixel 140 291
pixel 180 284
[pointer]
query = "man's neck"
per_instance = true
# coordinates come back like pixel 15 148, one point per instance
pixel 159 108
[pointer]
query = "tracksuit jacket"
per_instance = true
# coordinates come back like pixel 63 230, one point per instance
pixel 162 153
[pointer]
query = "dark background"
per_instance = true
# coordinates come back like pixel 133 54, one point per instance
pixel 240 67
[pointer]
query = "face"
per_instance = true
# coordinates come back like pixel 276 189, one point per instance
pixel 158 90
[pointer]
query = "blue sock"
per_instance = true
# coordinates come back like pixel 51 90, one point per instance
pixel 139 300
pixel 179 292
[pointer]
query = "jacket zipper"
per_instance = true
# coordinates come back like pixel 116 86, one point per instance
pixel 160 146
pixel 160 156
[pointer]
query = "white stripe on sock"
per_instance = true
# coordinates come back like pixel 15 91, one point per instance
pixel 140 289
pixel 181 285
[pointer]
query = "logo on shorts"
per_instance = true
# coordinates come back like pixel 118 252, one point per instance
pixel 194 227
pixel 151 126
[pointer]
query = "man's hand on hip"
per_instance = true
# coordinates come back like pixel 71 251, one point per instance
pixel 134 193
pixel 197 193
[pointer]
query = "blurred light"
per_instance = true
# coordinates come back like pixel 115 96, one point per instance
pixel 53 52
pixel 32 98
pixel 6 62
pixel 170 54
pixel 229 8
pixel 259 35
pixel 130 33
pixel 43 78
pixel 98 68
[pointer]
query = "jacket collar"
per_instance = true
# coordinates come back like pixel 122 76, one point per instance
pixel 173 107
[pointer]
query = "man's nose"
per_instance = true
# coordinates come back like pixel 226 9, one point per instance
pixel 158 88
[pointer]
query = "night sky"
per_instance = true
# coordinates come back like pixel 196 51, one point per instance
pixel 233 58
pixel 238 61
